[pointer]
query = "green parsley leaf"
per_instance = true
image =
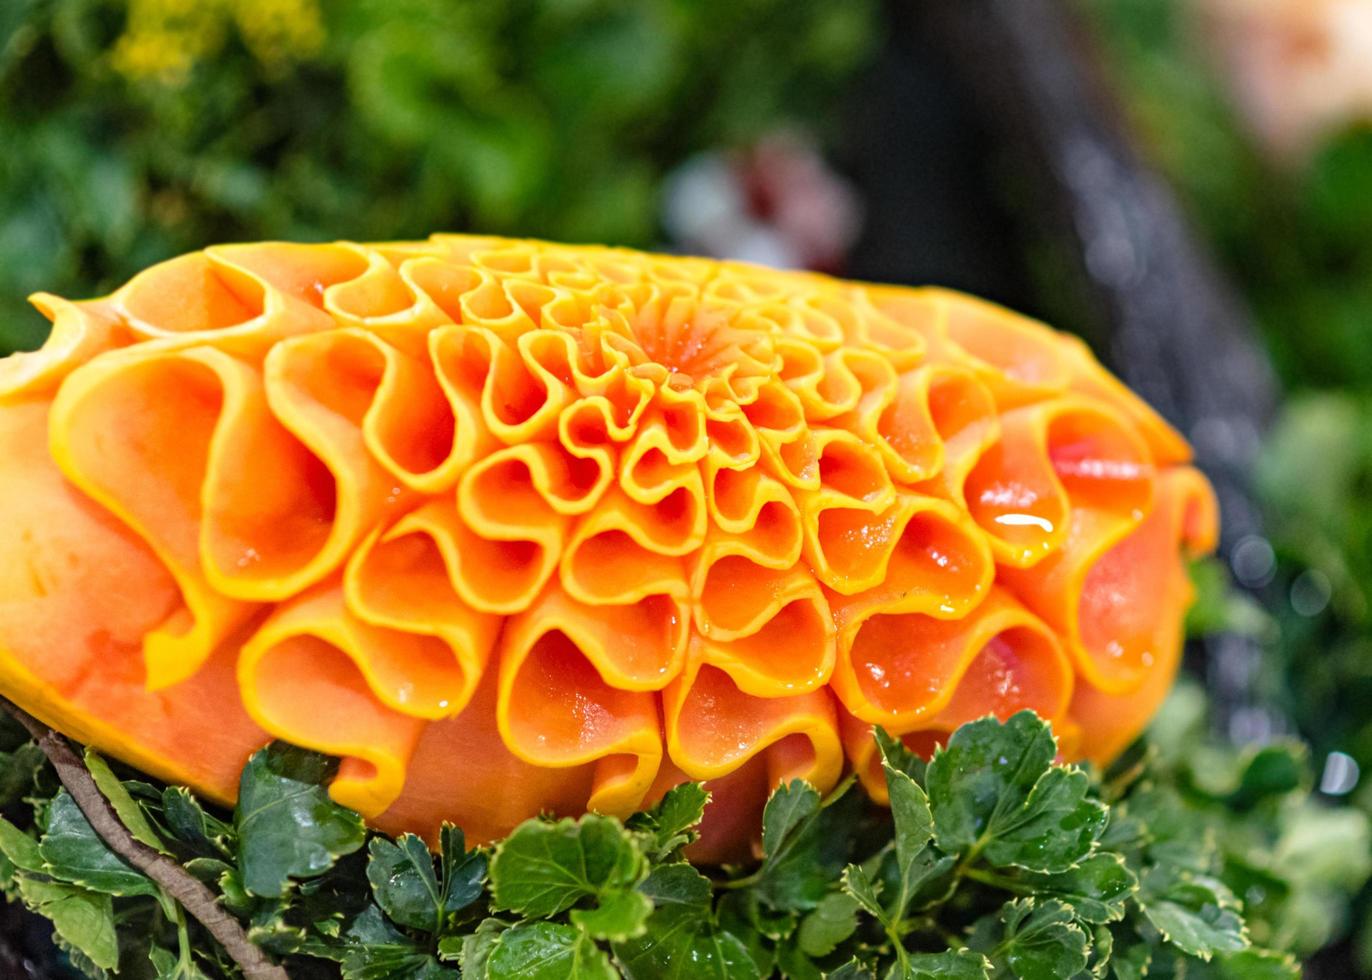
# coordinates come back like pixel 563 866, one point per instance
pixel 913 819
pixel 21 849
pixel 287 825
pixel 833 920
pixel 1195 913
pixel 130 814
pixel 929 879
pixel 670 825
pixel 190 823
pixel 962 964
pixel 464 871
pixel 1056 827
pixel 404 883
pixel 897 756
pixel 993 789
pixel 82 918
pixel 986 769
pixel 1097 889
pixel 789 811
pixel 864 891
pixel 917 866
pixel 620 915
pixel 19 772
pixel 475 949
pixel 544 868
pixel 682 940
pixel 1040 940
pixel 1256 964
pixel 73 852
pixel 804 844
pixel 376 950
pixel 547 951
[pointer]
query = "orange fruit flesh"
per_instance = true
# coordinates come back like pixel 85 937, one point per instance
pixel 515 528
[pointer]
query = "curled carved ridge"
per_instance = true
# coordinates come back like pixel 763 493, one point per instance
pixel 512 526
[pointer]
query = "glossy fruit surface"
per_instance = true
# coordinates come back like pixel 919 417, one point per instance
pixel 516 527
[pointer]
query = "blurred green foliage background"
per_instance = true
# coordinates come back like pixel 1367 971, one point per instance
pixel 133 130
pixel 1298 241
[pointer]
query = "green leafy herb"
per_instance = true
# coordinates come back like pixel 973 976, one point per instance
pixel 963 964
pixel 287 825
pixel 130 814
pixel 670 825
pixel 547 951
pixel 832 921
pixel 192 825
pixel 991 861
pixel 1097 889
pixel 403 880
pixel 73 852
pixel 620 915
pixel 803 848
pixel 997 793
pixel 544 868
pixel 464 871
pixel 83 919
pixel 1041 940
pixel 1197 914
pixel 682 939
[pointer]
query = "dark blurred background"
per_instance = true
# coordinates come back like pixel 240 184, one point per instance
pixel 920 141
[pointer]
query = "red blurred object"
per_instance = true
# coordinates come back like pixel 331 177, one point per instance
pixel 777 203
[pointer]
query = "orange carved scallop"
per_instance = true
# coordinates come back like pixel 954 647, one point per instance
pixel 516 527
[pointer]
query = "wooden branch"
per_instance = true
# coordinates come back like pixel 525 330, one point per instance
pixel 176 881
